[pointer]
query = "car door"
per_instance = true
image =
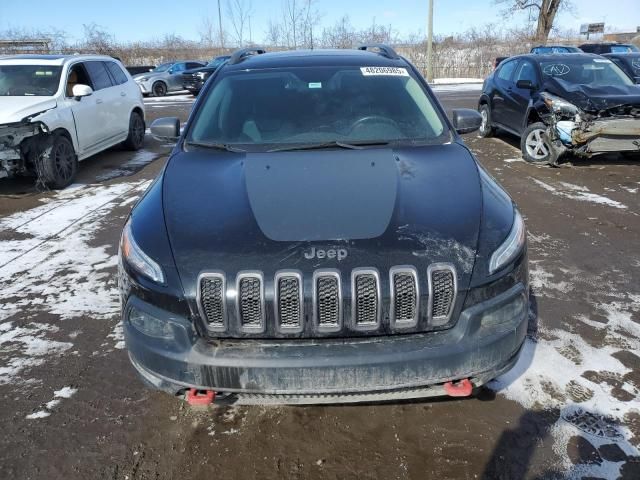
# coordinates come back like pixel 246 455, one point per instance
pixel 502 83
pixel 174 80
pixel 108 98
pixel 124 101
pixel 85 110
pixel 518 99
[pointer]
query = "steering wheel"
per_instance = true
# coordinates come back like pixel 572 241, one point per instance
pixel 379 119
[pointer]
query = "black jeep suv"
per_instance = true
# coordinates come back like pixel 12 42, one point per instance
pixel 579 103
pixel 194 79
pixel 320 233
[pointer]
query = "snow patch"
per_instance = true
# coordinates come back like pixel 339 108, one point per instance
pixel 576 192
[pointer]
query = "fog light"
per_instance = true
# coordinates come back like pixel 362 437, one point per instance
pixel 509 313
pixel 150 325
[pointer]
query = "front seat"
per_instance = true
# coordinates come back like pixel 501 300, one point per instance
pixel 72 80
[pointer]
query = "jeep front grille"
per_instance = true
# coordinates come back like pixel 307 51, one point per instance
pixel 250 302
pixel 211 302
pixel 327 298
pixel 404 297
pixel 366 299
pixel 289 301
pixel 442 292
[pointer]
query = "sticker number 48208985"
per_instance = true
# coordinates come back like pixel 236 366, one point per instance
pixel 393 71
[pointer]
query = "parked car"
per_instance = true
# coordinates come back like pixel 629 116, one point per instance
pixel 165 78
pixel 56 110
pixel 303 243
pixel 194 79
pixel 135 70
pixel 547 49
pixel 628 62
pixel 610 47
pixel 580 103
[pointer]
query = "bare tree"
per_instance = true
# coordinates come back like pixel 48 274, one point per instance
pixel 339 35
pixel 543 10
pixel 240 13
pixel 97 39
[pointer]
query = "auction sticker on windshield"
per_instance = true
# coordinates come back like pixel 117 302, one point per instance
pixel 398 72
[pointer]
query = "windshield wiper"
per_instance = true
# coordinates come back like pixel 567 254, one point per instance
pixel 217 146
pixel 320 146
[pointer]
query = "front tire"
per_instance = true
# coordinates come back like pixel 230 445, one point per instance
pixel 486 129
pixel 135 140
pixel 535 145
pixel 58 164
pixel 159 89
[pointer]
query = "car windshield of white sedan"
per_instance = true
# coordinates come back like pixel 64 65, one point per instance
pixel 589 71
pixel 162 68
pixel 29 80
pixel 266 109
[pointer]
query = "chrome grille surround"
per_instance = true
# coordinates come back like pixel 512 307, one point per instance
pixel 327 304
pixel 366 299
pixel 211 300
pixel 289 301
pixel 250 301
pixel 443 290
pixel 405 296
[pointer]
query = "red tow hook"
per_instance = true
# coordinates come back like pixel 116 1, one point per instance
pixel 200 397
pixel 462 388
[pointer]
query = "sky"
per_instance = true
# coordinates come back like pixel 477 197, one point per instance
pixel 130 20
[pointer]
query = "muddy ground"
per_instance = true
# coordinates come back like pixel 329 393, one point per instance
pixel 72 407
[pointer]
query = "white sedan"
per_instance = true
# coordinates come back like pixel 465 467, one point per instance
pixel 56 110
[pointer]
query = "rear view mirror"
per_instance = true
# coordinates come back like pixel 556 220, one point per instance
pixel 525 84
pixel 166 128
pixel 466 120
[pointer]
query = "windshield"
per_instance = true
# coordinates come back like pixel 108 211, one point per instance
pixel 29 80
pixel 162 68
pixel 310 105
pixel 585 71
pixel 624 49
pixel 216 62
pixel 554 50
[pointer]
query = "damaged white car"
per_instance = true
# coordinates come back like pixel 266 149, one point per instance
pixel 582 104
pixel 56 110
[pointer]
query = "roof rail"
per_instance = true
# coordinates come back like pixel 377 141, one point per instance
pixel 380 49
pixel 240 55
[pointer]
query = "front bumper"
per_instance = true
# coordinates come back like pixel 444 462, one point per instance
pixel 375 366
pixel 603 135
pixel 145 87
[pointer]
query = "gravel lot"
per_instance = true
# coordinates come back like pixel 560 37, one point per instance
pixel 72 407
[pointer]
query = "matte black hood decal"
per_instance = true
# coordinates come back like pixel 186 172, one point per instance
pixel 315 196
pixel 593 99
pixel 414 206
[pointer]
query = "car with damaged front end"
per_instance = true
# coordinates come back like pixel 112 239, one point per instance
pixel 320 233
pixel 582 104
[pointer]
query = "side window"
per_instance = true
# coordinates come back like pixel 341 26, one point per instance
pixel 77 76
pixel 525 71
pixel 116 72
pixel 99 75
pixel 506 70
pixel 178 67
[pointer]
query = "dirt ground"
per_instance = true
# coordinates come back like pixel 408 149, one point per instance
pixel 72 407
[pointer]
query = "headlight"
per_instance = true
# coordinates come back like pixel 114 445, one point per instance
pixel 511 247
pixel 133 254
pixel 143 79
pixel 201 75
pixel 559 105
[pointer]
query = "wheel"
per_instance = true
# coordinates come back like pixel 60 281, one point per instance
pixel 486 129
pixel 535 145
pixel 57 165
pixel 159 89
pixel 135 140
pixel 195 92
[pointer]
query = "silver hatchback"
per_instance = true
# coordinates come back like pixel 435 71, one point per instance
pixel 165 78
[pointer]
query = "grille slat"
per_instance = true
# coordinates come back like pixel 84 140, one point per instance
pixel 442 294
pixel 366 299
pixel 404 297
pixel 328 298
pixel 212 300
pixel 250 302
pixel 289 301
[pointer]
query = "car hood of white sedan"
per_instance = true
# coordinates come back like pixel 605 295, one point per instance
pixel 15 109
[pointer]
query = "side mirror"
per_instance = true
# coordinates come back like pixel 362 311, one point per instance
pixel 166 128
pixel 525 84
pixel 466 120
pixel 79 90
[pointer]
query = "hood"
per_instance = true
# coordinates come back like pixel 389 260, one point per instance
pixel 593 99
pixel 271 211
pixel 148 75
pixel 15 109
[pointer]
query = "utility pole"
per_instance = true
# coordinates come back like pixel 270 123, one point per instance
pixel 430 43
pixel 220 26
